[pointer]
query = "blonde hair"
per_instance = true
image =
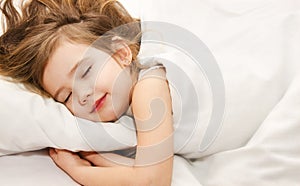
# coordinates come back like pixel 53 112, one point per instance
pixel 31 36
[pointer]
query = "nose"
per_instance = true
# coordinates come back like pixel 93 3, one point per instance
pixel 84 96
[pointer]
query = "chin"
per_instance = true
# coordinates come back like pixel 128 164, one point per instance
pixel 108 117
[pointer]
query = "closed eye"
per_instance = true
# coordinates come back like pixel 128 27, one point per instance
pixel 86 72
pixel 68 97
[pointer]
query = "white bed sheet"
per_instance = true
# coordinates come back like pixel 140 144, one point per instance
pixel 37 168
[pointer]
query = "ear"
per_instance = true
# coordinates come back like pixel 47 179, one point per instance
pixel 123 53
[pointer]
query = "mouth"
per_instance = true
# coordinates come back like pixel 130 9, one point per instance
pixel 99 103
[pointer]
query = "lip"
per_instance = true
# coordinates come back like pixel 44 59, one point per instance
pixel 99 103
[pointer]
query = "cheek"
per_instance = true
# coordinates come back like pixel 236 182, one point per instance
pixel 121 88
pixel 49 83
pixel 101 84
pixel 106 78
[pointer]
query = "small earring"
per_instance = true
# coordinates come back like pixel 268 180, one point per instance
pixel 127 61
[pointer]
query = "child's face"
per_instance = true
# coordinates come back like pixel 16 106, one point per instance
pixel 92 84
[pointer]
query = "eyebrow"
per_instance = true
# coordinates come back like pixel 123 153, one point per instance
pixel 72 71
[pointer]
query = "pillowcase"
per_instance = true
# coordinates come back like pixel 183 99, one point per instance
pixel 31 122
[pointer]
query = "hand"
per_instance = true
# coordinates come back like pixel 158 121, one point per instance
pixel 67 160
pixel 106 159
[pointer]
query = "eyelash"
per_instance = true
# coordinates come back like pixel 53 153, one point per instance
pixel 68 97
pixel 86 72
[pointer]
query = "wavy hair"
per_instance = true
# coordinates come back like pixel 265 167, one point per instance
pixel 33 32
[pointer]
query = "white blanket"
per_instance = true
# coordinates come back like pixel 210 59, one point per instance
pixel 256 44
pixel 270 157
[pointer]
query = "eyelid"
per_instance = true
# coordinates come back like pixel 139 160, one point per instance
pixel 87 71
pixel 68 97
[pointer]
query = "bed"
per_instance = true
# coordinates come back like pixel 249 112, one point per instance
pixel 255 44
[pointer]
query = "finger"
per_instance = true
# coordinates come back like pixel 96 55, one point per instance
pixel 52 153
pixel 107 159
pixel 72 157
pixel 84 153
pixel 63 151
pixel 65 158
pixel 97 160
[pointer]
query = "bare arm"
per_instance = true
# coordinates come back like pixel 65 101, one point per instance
pixel 154 157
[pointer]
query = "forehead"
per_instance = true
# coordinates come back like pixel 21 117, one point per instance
pixel 66 54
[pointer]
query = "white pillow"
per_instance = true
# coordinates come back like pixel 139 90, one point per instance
pixel 31 122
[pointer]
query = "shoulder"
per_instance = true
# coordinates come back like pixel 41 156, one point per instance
pixel 152 107
pixel 152 85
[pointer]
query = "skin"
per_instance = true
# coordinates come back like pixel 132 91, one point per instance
pixel 154 157
pixel 96 75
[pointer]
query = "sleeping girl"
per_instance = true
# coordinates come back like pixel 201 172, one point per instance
pixel 66 50
pixel 84 54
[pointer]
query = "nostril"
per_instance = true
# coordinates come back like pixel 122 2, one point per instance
pixel 84 94
pixel 85 98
